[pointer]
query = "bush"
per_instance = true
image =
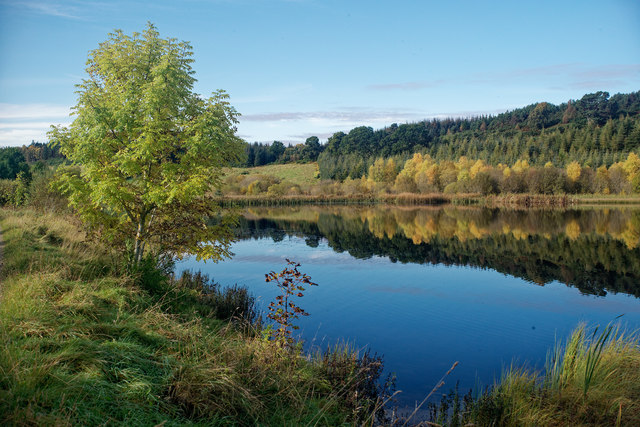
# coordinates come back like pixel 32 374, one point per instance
pixel 228 303
pixel 7 192
pixel 42 196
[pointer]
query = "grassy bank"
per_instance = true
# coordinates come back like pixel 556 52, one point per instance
pixel 85 342
pixel 403 199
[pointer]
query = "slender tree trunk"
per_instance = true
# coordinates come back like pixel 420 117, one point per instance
pixel 138 248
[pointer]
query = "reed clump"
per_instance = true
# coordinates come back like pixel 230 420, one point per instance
pixel 592 379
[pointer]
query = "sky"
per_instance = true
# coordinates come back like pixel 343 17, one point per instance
pixel 297 68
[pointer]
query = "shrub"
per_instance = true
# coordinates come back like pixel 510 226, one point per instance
pixel 228 303
pixel 7 192
pixel 283 310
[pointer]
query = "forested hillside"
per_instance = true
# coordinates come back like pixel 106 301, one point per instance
pixel 596 130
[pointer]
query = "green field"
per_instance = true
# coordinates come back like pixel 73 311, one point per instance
pixel 296 173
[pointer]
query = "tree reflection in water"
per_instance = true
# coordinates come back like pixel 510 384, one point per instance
pixel 594 250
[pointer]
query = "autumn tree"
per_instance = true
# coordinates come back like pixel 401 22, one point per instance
pixel 147 149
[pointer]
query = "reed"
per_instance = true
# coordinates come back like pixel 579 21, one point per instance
pixel 293 200
pixel 592 379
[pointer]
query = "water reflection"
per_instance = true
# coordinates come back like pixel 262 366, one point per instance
pixel 594 250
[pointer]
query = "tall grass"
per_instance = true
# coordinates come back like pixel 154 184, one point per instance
pixel 84 343
pixel 591 379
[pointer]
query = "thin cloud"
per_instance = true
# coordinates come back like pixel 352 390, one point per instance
pixel 611 71
pixel 82 10
pixel 304 136
pixel 406 85
pixel 26 125
pixel 575 75
pixel 48 8
pixel 32 111
pixel 596 84
pixel 338 116
pixel 19 137
pixel 296 127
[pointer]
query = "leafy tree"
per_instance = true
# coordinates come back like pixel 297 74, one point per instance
pixel 573 171
pixel 149 149
pixel 312 149
pixel 276 149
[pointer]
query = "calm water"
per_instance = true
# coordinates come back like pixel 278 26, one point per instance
pixel 426 287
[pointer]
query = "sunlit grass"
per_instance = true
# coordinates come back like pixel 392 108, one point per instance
pixel 296 173
pixel 85 344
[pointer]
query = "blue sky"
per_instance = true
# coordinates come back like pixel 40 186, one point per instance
pixel 296 68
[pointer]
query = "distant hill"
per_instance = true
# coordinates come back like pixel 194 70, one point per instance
pixel 596 130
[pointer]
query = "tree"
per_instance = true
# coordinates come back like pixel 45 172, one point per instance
pixel 276 149
pixel 149 149
pixel 312 149
pixel 12 162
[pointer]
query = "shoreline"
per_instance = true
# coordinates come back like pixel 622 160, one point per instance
pixel 435 199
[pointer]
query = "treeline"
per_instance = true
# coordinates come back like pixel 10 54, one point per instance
pixel 259 154
pixel 14 160
pixel 422 174
pixel 595 130
pixel 40 151
pixel 25 171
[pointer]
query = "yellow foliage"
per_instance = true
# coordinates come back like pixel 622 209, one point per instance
pixel 463 175
pixel 632 165
pixel 572 230
pixel 463 163
pixel 477 167
pixel 573 171
pixel 521 166
pixel 389 172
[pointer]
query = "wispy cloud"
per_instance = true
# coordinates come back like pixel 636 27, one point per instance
pixel 574 75
pixel 304 136
pixel 355 115
pixel 81 10
pixel 406 85
pixel 610 71
pixel 295 127
pixel 48 8
pixel 32 111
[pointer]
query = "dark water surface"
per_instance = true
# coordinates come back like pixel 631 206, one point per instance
pixel 426 287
